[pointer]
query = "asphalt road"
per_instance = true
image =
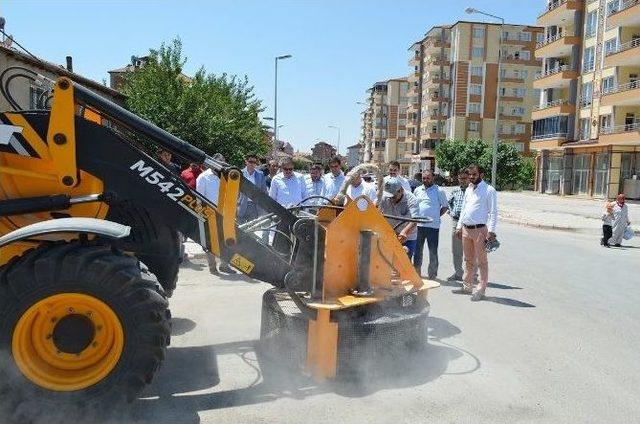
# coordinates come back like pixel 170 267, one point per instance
pixel 556 341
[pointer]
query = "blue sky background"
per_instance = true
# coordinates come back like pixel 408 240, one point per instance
pixel 339 47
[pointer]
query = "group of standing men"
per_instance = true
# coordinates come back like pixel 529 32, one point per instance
pixel 472 207
pixel 473 210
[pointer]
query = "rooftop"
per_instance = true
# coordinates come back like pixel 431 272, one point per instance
pixel 58 70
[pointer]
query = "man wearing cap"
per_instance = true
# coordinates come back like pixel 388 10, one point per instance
pixel 395 201
pixel 432 204
pixel 476 227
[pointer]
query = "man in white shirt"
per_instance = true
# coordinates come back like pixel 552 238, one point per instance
pixel 358 187
pixel 288 188
pixel 394 172
pixel 315 185
pixel 476 226
pixel 333 179
pixel 208 185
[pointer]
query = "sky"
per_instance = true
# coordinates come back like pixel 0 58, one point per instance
pixel 339 47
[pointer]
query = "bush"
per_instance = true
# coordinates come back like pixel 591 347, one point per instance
pixel 454 155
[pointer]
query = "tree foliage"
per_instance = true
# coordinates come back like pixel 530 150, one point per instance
pixel 216 113
pixel 454 155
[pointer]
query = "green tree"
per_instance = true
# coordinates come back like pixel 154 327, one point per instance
pixel 216 113
pixel 453 155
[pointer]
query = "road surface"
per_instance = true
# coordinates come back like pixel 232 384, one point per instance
pixel 556 341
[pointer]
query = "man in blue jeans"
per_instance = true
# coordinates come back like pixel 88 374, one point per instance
pixel 432 203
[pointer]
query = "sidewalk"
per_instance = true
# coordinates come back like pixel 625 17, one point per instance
pixel 553 212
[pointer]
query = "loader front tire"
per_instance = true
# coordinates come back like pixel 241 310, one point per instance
pixel 80 325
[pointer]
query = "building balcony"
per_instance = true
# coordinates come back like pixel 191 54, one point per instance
pixel 414 60
pixel 558 77
pixel 559 11
pixel 627 54
pixel 436 98
pixel 427 153
pixel 559 45
pixel 436 62
pixel 627 14
pixel 508 117
pixel 547 141
pixel 433 135
pixel 621 95
pixel 553 108
pixel 620 134
pixel 511 98
pixel 437 117
pixel 437 80
pixel 435 44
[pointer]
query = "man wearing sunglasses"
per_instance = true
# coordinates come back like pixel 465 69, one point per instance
pixel 288 188
pixel 247 209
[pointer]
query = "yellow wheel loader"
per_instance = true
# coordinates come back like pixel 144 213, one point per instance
pixel 89 252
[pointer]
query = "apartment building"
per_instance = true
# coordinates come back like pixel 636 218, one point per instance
pixel 454 85
pixel 384 123
pixel 587 126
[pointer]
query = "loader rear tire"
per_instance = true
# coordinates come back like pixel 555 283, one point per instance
pixel 80 325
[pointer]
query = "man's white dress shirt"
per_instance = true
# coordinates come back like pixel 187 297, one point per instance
pixel 480 206
pixel 288 191
pixel 208 184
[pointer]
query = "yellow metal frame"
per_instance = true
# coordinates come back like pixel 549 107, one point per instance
pixel 61 134
pixel 340 277
pixel 228 203
pixel 24 176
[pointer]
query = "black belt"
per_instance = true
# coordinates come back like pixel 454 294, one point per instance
pixel 473 227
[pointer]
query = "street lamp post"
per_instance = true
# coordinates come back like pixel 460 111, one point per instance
pixel 337 128
pixel 275 99
pixel 494 156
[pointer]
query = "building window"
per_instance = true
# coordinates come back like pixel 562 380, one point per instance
pixel 588 61
pixel 591 24
pixel 478 32
pixel 587 94
pixel 540 37
pixel 550 127
pixel 475 89
pixel 402 133
pixel 519 146
pixel 584 129
pixel 517 111
pixel 473 107
pixel 474 126
pixel 613 7
pixel 477 52
pixel 476 71
pixel 36 98
pixel 523 55
pixel 524 36
pixel 608 85
pixel 610 46
pixel 519 129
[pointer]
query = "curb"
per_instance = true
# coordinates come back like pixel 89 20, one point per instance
pixel 526 223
